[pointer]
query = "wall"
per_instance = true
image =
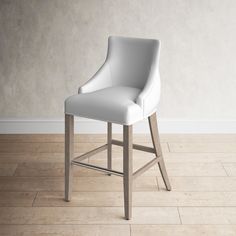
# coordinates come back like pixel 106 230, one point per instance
pixel 50 47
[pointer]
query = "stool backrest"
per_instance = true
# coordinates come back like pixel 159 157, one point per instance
pixel 131 59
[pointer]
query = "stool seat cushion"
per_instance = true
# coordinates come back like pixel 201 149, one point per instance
pixel 113 104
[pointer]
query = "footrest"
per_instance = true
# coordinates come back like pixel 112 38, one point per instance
pixel 93 167
pixel 77 160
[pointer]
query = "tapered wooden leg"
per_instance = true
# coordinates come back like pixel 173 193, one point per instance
pixel 109 146
pixel 127 169
pixel 69 153
pixel 157 146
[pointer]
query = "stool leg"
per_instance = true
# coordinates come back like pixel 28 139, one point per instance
pixel 69 153
pixel 128 169
pixel 157 146
pixel 109 146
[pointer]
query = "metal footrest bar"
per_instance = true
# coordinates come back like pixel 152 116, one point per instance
pixel 77 160
pixel 145 167
pixel 98 168
pixel 135 146
pixel 90 153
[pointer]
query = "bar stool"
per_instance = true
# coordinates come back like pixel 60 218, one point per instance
pixel 125 90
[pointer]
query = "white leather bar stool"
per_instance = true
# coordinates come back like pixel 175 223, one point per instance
pixel 125 90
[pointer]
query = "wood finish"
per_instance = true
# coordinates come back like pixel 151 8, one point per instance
pixel 87 215
pixel 180 230
pixel 128 169
pixel 109 146
pixel 202 200
pixel 140 199
pixel 134 146
pixel 156 143
pixel 128 147
pixel 101 138
pixel 55 147
pixel 69 154
pixel 65 230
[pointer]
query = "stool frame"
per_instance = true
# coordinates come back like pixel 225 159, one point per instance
pixel 128 146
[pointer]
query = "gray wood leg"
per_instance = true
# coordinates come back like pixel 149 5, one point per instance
pixel 109 146
pixel 128 169
pixel 69 153
pixel 157 146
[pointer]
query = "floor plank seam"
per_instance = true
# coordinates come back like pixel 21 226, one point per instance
pixel 222 164
pixel 179 216
pixel 34 198
pixel 168 146
pixel 13 174
pixel 158 187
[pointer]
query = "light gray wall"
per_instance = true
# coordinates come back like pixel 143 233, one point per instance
pixel 50 47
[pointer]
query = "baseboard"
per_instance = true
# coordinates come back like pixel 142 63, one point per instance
pixel 23 126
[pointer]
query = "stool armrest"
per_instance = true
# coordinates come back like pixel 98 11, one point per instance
pixel 101 80
pixel 149 97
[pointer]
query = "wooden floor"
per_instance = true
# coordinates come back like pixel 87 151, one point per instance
pixel 202 170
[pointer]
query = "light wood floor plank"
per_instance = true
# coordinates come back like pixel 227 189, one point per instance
pixel 199 157
pixel 162 198
pixel 203 147
pixel 52 170
pixel 230 168
pixel 105 183
pixel 198 138
pixel 59 157
pixel 173 168
pixel 180 230
pixel 87 215
pixel 64 230
pixel 208 215
pixel 138 156
pixel 195 169
pixel 7 169
pixel 57 169
pixel 182 184
pixel 59 138
pixel 56 147
pixel 183 138
pixel 16 158
pixel 17 198
pixel 34 157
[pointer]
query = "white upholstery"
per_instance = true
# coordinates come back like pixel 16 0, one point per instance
pixel 126 88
